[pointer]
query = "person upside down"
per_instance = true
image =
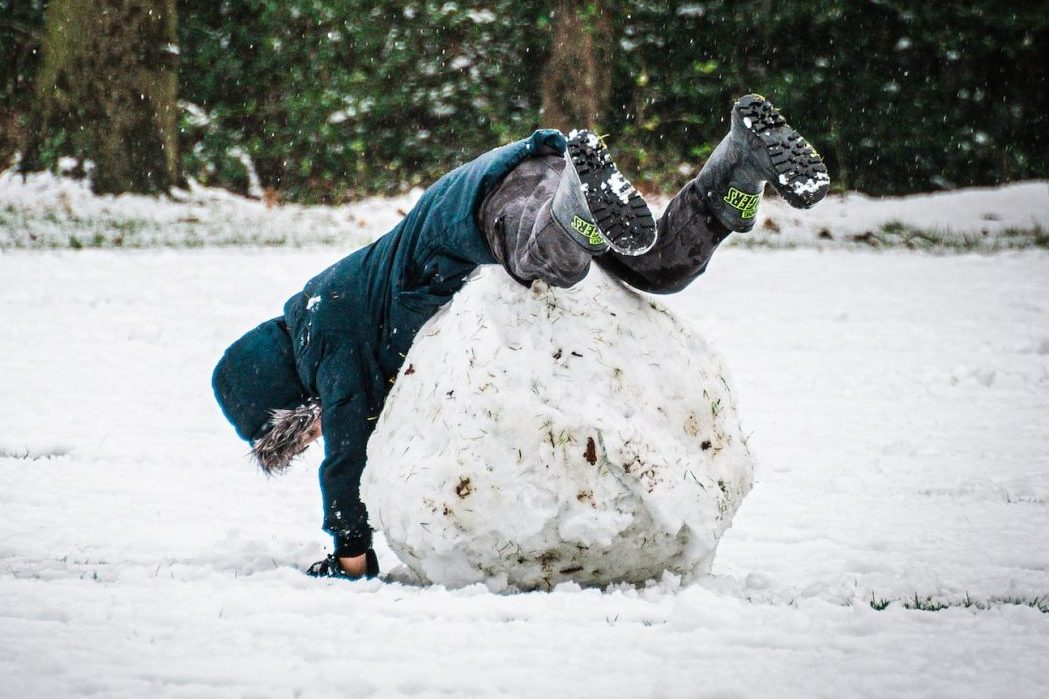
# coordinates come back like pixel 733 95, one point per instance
pixel 544 208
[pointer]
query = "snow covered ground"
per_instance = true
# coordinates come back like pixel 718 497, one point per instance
pixel 899 409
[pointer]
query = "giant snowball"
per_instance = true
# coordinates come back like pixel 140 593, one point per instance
pixel 541 435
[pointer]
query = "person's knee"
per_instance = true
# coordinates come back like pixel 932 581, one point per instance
pixel 568 275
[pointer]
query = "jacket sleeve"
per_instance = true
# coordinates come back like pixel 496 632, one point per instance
pixel 351 393
pixel 345 516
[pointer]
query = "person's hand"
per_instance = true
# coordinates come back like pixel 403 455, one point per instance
pixel 347 567
pixel 355 566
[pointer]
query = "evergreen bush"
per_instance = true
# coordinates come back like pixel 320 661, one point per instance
pixel 334 99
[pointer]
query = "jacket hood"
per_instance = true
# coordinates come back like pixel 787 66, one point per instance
pixel 257 376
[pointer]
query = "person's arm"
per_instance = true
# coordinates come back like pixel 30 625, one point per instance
pixel 354 566
pixel 346 430
pixel 346 384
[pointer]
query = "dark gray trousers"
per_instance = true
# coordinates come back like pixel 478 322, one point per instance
pixel 524 237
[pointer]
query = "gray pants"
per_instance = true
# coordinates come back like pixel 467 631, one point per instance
pixel 524 237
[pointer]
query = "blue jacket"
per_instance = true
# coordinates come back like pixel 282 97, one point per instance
pixel 352 325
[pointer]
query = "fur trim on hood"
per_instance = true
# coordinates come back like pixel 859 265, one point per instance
pixel 286 437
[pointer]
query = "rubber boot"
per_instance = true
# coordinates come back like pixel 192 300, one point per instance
pixel 596 205
pixel 760 147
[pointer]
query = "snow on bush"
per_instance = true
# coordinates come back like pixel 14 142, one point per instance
pixel 545 435
pixel 43 210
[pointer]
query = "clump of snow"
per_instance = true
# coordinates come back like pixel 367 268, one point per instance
pixel 592 140
pixel 481 16
pixel 811 184
pixel 620 187
pixel 254 184
pixel 548 435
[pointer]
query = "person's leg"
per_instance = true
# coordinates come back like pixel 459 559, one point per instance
pixel 724 197
pixel 521 231
pixel 591 182
pixel 688 235
pixel 553 212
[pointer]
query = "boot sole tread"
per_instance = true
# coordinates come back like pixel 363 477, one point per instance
pixel 627 226
pixel 799 174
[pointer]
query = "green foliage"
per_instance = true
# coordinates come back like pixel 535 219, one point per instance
pixel 879 604
pixel 898 96
pixel 338 98
pixel 333 99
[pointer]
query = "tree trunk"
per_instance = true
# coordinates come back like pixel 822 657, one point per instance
pixel 21 30
pixel 107 92
pixel 577 79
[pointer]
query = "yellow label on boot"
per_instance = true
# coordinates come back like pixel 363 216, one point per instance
pixel 746 203
pixel 587 230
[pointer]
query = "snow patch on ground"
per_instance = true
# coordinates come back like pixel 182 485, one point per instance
pixel 45 211
pixel 142 554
